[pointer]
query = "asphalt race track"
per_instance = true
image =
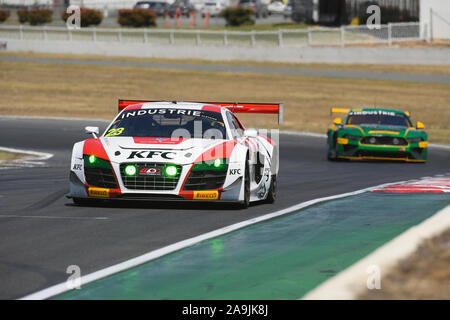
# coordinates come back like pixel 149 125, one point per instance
pixel 42 232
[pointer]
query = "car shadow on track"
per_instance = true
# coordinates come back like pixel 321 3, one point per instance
pixel 126 204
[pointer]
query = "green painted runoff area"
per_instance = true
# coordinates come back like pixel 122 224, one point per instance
pixel 279 259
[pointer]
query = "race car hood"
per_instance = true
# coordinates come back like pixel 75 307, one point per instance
pixel 379 130
pixel 162 150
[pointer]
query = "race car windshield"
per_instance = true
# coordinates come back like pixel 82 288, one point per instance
pixel 168 123
pixel 388 119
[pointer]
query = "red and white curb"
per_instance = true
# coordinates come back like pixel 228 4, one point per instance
pixel 425 185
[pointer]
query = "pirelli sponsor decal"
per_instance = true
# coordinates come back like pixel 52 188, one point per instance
pixel 98 192
pixel 206 195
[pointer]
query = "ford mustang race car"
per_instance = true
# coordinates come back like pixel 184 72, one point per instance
pixel 379 134
pixel 177 151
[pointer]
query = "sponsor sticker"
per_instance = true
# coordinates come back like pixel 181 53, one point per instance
pixel 98 192
pixel 150 172
pixel 234 172
pixel 206 195
pixel 151 154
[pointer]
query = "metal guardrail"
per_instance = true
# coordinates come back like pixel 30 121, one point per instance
pixel 342 36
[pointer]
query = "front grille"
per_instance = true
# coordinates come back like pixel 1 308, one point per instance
pixel 384 140
pixel 366 153
pixel 159 181
pixel 206 179
pixel 417 152
pixel 100 177
pixel 149 196
pixel 349 149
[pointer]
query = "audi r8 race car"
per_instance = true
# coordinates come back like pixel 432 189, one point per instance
pixel 379 134
pixel 177 151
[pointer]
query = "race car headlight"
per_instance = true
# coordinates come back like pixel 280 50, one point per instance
pixel 170 171
pixel 415 140
pixel 216 165
pixel 351 137
pixel 91 161
pixel 130 170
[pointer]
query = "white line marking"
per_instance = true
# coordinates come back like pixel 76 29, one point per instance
pixel 152 255
pixel 54 217
pixel 35 159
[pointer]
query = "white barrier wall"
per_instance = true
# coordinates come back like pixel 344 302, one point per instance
pixel 435 18
pixel 352 55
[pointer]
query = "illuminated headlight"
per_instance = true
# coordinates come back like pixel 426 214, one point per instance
pixel 130 170
pixel 414 140
pixel 92 159
pixel 217 163
pixel 350 137
pixel 170 171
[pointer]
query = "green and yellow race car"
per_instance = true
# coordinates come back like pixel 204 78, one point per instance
pixel 376 134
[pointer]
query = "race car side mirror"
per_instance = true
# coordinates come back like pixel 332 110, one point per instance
pixel 337 121
pixel 420 125
pixel 251 133
pixel 92 130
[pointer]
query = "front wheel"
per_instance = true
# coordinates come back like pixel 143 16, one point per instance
pixel 272 195
pixel 246 202
pixel 331 155
pixel 331 151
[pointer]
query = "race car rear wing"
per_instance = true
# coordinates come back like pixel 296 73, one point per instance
pixel 339 110
pixel 235 107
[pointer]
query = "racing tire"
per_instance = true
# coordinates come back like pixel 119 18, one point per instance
pixel 246 202
pixel 331 155
pixel 272 195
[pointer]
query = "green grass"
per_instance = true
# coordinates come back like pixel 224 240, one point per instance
pixel 7 156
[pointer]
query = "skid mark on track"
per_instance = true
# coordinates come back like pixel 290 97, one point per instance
pixel 48 200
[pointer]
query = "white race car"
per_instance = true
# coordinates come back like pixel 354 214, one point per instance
pixel 162 151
